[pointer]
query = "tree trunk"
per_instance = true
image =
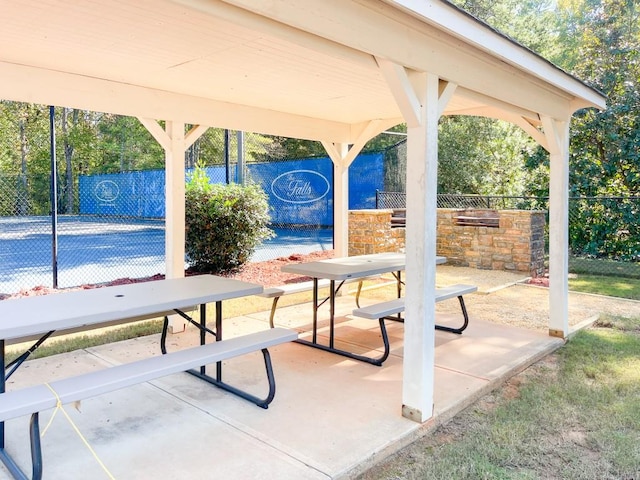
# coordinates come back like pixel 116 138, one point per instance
pixel 22 200
pixel 68 157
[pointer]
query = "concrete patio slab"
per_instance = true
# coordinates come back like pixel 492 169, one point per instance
pixel 332 417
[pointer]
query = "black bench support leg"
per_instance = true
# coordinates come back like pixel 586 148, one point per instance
pixel 464 325
pixel 36 453
pixel 36 449
pixel 260 402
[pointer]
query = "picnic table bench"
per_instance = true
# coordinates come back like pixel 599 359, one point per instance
pixel 391 310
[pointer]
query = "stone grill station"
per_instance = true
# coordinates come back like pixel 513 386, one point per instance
pixel 510 240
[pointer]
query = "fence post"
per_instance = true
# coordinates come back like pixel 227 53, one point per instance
pixel 54 195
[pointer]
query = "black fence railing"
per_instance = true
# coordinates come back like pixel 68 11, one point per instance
pixel 447 200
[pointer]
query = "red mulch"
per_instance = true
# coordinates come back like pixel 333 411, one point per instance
pixel 539 281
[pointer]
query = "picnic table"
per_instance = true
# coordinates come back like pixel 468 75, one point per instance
pixel 40 317
pixel 337 271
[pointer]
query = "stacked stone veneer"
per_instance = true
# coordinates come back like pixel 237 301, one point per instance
pixel 517 244
pixel 370 232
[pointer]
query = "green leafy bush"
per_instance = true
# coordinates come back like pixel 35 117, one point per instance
pixel 224 223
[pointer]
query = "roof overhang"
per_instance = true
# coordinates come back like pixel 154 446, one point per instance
pixel 297 68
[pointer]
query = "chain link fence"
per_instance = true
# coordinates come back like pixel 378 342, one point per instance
pixel 604 232
pixel 89 246
pixel 99 244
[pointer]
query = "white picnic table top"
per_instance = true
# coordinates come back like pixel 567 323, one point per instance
pixel 25 317
pixel 352 267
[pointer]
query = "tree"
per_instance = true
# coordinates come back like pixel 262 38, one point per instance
pixel 604 144
pixel 529 22
pixel 124 145
pixel 604 158
pixel 485 156
pixel 482 156
pixel 25 144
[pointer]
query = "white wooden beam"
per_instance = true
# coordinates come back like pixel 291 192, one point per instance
pixel 50 87
pixel 447 89
pixel 422 98
pixel 488 102
pixel 554 131
pixel 174 142
pixel 402 89
pixel 338 153
pixel 157 132
pixel 334 150
pixel 373 128
pixel 524 123
pixel 342 156
pixel 194 134
pixel 422 174
pixel 557 134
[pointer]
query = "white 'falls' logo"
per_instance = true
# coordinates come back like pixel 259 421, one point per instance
pixel 107 191
pixel 300 186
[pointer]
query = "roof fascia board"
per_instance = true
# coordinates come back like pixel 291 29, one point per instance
pixel 48 87
pixel 387 31
pixel 476 33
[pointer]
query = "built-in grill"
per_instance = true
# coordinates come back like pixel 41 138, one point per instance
pixel 477 218
pixel 399 217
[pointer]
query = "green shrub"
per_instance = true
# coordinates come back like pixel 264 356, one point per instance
pixel 224 223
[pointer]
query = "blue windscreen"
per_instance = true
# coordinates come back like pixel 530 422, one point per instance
pixel 300 191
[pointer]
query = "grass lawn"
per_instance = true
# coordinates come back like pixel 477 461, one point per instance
pixel 605 285
pixel 574 415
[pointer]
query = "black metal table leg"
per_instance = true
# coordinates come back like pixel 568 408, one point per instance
pixel 260 402
pixel 315 310
pixel 373 361
pixel 217 334
pixel 218 338
pixel 332 311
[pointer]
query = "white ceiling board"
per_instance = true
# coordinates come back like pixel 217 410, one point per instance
pixel 300 68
